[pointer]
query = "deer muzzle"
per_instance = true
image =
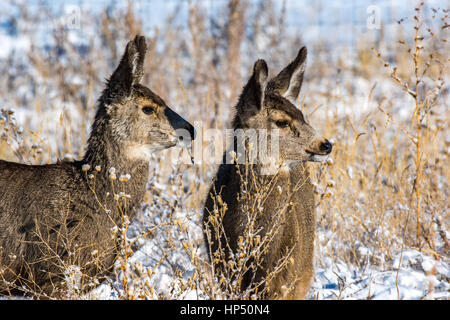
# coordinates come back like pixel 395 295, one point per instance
pixel 184 131
pixel 319 150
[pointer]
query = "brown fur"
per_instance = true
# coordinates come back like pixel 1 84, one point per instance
pixel 50 217
pixel 266 105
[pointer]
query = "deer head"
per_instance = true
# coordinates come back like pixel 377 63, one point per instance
pixel 271 104
pixel 139 121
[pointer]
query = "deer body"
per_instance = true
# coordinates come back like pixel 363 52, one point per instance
pixel 297 230
pixel 268 105
pixel 64 214
pixel 45 225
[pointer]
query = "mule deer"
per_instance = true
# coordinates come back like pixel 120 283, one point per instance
pixel 64 214
pixel 270 105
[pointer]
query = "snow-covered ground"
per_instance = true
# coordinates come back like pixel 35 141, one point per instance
pixel 411 274
pixel 420 276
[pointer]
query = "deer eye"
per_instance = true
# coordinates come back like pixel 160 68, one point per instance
pixel 148 110
pixel 282 123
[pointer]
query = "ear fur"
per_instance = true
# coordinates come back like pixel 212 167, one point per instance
pixel 260 74
pixel 252 97
pixel 129 71
pixel 289 81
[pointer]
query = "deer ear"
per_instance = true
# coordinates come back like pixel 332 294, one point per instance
pixel 289 81
pixel 130 69
pixel 253 94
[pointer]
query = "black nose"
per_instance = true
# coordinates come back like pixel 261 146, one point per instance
pixel 189 128
pixel 183 137
pixel 192 131
pixel 178 122
pixel 326 147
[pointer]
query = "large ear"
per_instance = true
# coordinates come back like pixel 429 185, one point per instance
pixel 289 81
pixel 252 98
pixel 130 69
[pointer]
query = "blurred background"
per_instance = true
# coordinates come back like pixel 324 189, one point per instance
pixel 376 84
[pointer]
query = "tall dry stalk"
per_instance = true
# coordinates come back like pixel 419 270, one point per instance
pixel 235 35
pixel 425 97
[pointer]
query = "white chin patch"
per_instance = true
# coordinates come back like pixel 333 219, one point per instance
pixel 143 152
pixel 288 165
pixel 318 158
pixel 292 163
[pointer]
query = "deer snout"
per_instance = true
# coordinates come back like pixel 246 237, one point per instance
pixel 320 146
pixel 192 131
pixel 326 147
pixel 184 131
pixel 319 150
pixel 185 134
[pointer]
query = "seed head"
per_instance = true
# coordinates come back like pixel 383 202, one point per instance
pixel 125 177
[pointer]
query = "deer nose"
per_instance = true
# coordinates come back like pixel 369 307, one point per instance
pixel 326 147
pixel 192 131
pixel 189 128
pixel 178 123
pixel 186 134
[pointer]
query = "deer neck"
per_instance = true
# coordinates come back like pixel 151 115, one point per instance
pixel 292 177
pixel 112 170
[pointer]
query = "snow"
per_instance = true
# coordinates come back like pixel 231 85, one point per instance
pixel 338 281
pixel 420 276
